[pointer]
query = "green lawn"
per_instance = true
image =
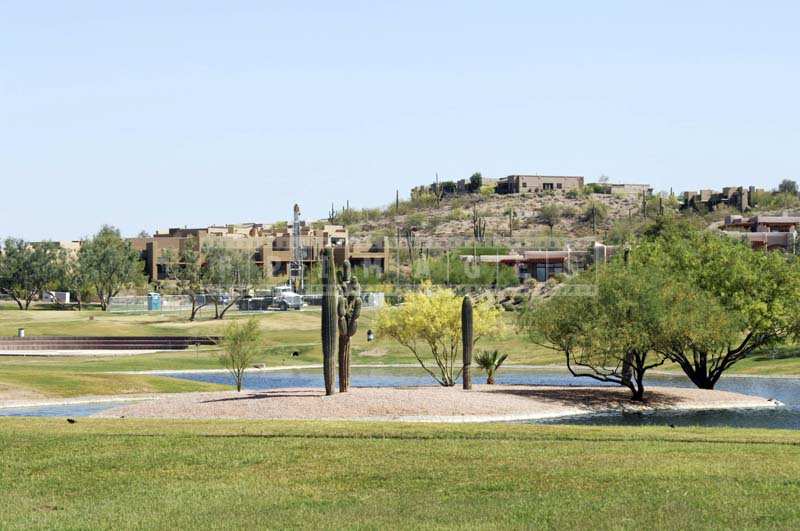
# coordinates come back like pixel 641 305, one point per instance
pixel 117 474
pixel 284 332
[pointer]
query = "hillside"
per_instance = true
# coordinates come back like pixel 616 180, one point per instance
pixel 522 217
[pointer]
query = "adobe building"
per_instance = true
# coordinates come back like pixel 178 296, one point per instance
pixel 525 184
pixel 764 232
pixel 738 197
pixel 630 189
pixel 270 247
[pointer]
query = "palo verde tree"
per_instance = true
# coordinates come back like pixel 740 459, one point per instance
pixel 27 269
pixel 751 298
pixel 429 325
pixel 185 268
pixel 109 264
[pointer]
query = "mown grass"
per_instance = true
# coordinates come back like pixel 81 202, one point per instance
pixel 115 474
pixel 285 333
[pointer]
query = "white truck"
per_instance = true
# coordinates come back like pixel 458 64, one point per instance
pixel 283 298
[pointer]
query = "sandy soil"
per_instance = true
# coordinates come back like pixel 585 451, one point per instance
pixel 434 404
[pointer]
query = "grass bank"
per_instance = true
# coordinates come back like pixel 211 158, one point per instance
pixel 285 333
pixel 149 474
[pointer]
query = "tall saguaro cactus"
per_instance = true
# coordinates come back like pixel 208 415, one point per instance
pixel 329 307
pixel 466 341
pixel 348 310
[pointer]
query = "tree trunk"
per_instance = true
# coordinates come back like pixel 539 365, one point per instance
pixel 228 307
pixel 490 377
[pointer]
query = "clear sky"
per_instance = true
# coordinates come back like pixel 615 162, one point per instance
pixel 147 115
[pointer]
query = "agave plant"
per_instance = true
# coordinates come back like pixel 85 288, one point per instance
pixel 490 362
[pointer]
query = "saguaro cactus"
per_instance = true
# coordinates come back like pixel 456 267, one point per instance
pixel 329 305
pixel 348 309
pixel 466 341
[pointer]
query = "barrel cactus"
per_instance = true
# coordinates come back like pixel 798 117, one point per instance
pixel 329 307
pixel 348 310
pixel 466 341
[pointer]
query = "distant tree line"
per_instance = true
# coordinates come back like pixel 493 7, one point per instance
pixel 106 264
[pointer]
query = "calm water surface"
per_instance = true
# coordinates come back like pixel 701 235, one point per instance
pixel 786 390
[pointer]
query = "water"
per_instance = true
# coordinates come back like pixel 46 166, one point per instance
pixel 65 410
pixel 785 390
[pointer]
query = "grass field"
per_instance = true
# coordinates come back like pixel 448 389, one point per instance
pixel 116 474
pixel 284 332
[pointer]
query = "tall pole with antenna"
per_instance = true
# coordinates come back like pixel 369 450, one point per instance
pixel 296 266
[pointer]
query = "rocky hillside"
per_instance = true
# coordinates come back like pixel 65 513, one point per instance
pixel 522 217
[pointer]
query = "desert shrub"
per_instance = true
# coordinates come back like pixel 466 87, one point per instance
pixel 428 323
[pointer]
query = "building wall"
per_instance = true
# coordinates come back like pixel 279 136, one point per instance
pixel 523 184
pixel 631 189
pixel 272 253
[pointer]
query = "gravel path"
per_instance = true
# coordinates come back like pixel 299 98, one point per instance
pixel 434 404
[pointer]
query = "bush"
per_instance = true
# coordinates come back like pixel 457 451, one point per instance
pixel 242 342
pixel 429 325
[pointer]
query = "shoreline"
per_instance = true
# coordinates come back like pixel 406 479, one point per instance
pixel 559 368
pixel 497 403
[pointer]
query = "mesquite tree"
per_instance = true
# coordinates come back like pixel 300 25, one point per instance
pixel 466 341
pixel 185 268
pixel 110 264
pixel 27 269
pixel 348 309
pixel 329 324
pixel 750 299
pixel 609 333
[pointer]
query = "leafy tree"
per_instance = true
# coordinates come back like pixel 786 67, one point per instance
pixel 109 264
pixel 185 268
pixel 78 282
pixel 490 362
pixel 788 186
pixel 241 343
pixel 550 215
pixel 610 332
pixel 475 182
pixel 751 299
pixel 431 318
pixel 27 269
pixel 228 275
pixel 452 270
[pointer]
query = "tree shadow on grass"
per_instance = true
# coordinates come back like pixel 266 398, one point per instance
pixel 594 397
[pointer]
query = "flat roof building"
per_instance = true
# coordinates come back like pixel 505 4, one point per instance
pixel 525 184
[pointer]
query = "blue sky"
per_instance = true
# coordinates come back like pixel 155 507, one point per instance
pixel 146 115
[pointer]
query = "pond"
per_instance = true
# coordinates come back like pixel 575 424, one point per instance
pixel 59 410
pixel 785 390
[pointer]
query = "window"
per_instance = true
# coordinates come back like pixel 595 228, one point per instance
pixel 547 186
pixel 558 186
